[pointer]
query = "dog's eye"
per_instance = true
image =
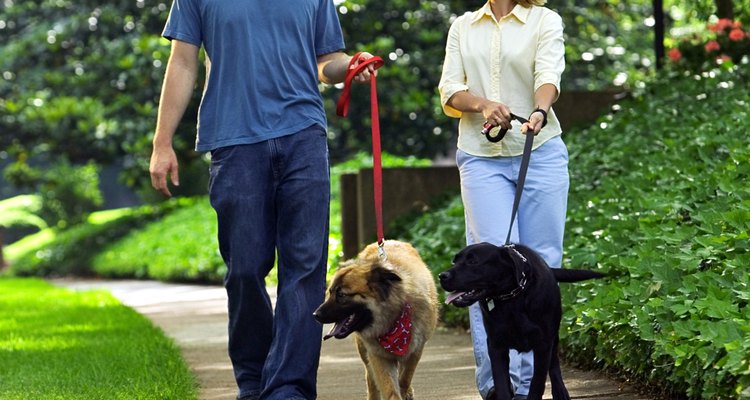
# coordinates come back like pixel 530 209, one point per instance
pixel 471 259
pixel 341 296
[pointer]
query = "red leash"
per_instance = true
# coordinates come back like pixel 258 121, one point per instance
pixel 342 107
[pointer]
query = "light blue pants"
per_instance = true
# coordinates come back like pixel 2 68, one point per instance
pixel 488 186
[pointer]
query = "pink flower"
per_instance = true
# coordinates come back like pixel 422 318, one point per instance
pixel 712 46
pixel 736 35
pixel 674 55
pixel 723 58
pixel 724 23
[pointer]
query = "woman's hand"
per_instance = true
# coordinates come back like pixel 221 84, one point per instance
pixel 497 114
pixel 536 122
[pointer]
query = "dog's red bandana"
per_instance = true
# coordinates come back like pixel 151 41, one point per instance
pixel 397 340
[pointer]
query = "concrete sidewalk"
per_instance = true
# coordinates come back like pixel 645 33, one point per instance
pixel 195 317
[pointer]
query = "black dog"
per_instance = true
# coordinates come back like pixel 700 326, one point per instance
pixel 520 301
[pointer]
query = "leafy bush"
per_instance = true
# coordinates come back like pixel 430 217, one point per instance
pixel 354 164
pixel 69 193
pixel 438 234
pixel 55 252
pixel 182 246
pixel 139 243
pixel 21 211
pixel 724 42
pixel 659 198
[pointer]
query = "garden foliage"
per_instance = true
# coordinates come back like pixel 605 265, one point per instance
pixel 81 79
pixel 70 251
pixel 724 42
pixel 659 199
pixel 171 241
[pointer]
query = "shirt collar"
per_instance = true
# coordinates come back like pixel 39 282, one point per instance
pixel 521 13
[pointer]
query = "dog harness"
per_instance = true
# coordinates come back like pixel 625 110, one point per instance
pixel 397 340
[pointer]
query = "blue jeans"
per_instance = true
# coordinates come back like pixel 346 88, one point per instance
pixel 272 200
pixel 488 186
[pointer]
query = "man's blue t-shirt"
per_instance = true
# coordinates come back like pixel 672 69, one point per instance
pixel 263 77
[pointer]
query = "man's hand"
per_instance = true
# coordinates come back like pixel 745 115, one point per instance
pixel 364 76
pixel 163 164
pixel 333 67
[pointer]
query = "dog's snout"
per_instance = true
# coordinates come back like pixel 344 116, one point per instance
pixel 317 315
pixel 444 276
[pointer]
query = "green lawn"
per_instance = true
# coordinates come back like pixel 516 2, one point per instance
pixel 60 344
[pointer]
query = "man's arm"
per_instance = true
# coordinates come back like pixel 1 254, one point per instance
pixel 177 90
pixel 332 68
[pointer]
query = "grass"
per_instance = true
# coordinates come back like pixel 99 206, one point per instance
pixel 60 344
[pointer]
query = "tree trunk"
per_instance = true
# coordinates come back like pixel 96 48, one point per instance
pixel 2 259
pixel 659 51
pixel 724 9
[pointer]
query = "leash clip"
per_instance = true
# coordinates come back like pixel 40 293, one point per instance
pixel 381 251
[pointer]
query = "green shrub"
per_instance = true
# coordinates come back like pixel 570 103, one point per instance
pixel 352 165
pixel 438 234
pixel 62 252
pixel 69 193
pixel 21 211
pixel 659 198
pixel 724 42
pixel 182 246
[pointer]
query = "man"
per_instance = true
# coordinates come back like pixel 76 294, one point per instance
pixel 262 119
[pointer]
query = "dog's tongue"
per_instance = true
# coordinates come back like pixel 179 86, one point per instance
pixel 338 329
pixel 453 296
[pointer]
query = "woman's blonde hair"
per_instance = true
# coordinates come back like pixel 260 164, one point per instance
pixel 529 3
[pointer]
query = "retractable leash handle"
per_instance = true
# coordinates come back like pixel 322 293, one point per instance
pixel 487 127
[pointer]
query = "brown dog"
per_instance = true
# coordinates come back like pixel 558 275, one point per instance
pixel 390 304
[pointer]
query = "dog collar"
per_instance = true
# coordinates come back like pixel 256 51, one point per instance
pixel 397 340
pixel 515 292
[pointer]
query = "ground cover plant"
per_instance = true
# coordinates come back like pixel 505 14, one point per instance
pixel 69 251
pixel 60 344
pixel 659 198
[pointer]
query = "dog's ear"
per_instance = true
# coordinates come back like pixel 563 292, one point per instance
pixel 347 263
pixel 382 280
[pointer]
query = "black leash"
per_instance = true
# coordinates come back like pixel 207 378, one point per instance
pixel 524 163
pixel 490 302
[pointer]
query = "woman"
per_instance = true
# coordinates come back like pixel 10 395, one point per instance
pixel 508 56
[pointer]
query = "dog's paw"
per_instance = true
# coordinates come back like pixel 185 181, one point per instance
pixel 408 395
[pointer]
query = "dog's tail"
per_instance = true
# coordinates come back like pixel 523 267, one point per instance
pixel 575 275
